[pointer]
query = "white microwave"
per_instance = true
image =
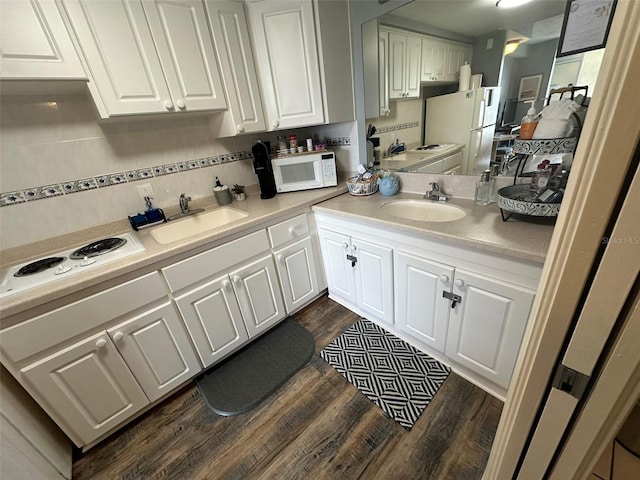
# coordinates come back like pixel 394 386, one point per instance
pixel 305 172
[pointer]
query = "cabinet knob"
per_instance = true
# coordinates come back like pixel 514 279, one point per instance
pixel 101 343
pixel 276 123
pixel 280 258
pixel 292 231
pixel 345 245
pixel 237 280
pixel 388 112
pixel 240 128
pixel 118 336
pixel 354 247
pixel 168 105
pixel 226 284
pixel 181 104
pixel 444 278
pixel 459 283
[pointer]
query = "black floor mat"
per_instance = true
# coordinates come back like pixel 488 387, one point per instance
pixel 245 379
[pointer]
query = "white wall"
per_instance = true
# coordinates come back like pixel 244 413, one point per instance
pixel 58 140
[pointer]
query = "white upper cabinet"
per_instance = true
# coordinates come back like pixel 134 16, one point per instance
pixel 459 54
pixel 233 46
pixel 303 52
pixel 435 55
pixel 147 56
pixel 34 43
pixel 404 65
pixel 383 73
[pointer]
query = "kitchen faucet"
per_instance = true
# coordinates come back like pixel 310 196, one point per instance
pixel 435 193
pixel 184 208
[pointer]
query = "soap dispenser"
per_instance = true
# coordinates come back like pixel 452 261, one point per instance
pixel 529 122
pixel 222 194
pixel 484 188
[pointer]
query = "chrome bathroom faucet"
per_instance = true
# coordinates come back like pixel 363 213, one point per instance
pixel 435 193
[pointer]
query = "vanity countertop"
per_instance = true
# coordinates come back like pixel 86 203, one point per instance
pixel 260 213
pixel 481 228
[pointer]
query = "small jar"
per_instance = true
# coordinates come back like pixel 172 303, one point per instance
pixel 282 142
pixel 293 142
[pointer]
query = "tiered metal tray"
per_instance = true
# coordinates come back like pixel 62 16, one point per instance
pixel 545 146
pixel 518 199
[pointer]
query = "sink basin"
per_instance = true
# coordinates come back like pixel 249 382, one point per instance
pixel 423 210
pixel 199 223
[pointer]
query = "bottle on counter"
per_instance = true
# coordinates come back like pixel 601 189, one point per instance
pixel 485 188
pixel 540 178
pixel 222 193
pixel 529 122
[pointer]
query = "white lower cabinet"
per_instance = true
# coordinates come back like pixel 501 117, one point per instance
pixel 421 310
pixel 259 297
pixel 213 318
pixel 297 273
pixel 157 349
pixel 88 387
pixel 466 308
pixel 359 272
pixel 486 326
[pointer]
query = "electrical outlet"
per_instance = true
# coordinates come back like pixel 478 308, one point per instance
pixel 347 140
pixel 340 140
pixel 145 190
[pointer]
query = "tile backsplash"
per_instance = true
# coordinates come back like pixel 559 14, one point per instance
pixel 404 123
pixel 83 172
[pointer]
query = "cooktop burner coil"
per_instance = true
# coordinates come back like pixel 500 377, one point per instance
pixel 99 247
pixel 39 266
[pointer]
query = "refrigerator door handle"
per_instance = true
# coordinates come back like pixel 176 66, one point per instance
pixel 480 121
pixel 477 143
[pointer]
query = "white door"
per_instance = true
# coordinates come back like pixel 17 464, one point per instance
pixel 414 57
pixel 486 326
pixel 157 349
pixel 34 42
pixel 297 272
pixel 229 28
pixel 339 270
pixel 117 44
pixel 212 316
pixel 422 311
pixel 259 297
pixel 374 279
pixel 181 34
pixel 428 63
pixel 440 60
pixel 286 51
pixel 89 387
pixel 397 66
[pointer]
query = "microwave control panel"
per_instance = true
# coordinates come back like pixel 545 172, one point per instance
pixel 329 170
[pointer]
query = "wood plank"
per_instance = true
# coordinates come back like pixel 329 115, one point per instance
pixel 316 426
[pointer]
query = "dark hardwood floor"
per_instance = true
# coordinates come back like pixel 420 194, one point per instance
pixel 317 426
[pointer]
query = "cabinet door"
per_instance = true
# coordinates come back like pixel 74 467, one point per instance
pixel 229 28
pixel 397 65
pixel 297 272
pixel 340 276
pixel 422 312
pixel 34 43
pixel 181 34
pixel 212 316
pixel 414 57
pixel 486 327
pixel 428 64
pixel 157 349
pixel 88 386
pixel 118 47
pixel 259 297
pixel 458 55
pixel 383 72
pixel 374 279
pixel 287 54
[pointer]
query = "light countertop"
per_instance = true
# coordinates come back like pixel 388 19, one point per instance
pixel 482 228
pixel 259 211
pixel 411 158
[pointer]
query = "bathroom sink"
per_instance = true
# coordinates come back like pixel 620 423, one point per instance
pixel 423 210
pixel 193 225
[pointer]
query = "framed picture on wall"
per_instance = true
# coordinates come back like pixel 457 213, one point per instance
pixel 529 87
pixel 585 26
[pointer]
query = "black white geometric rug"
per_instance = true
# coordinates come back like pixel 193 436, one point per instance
pixel 393 374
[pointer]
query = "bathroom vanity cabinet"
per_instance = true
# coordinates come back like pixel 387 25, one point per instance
pixel 466 308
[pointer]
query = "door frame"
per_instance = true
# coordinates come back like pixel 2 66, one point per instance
pixel 609 139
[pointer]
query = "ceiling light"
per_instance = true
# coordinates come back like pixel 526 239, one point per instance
pixel 511 46
pixel 511 3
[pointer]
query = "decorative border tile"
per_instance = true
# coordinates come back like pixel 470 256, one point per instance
pixel 109 179
pixel 398 126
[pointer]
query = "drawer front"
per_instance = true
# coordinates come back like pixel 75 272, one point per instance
pixel 209 263
pixel 452 161
pixel 37 334
pixel 288 230
pixel 435 167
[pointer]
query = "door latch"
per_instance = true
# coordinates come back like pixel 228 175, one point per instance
pixel 353 259
pixel 455 299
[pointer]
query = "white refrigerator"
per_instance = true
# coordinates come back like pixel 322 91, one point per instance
pixel 466 118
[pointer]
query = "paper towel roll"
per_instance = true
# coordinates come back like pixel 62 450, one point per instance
pixel 465 77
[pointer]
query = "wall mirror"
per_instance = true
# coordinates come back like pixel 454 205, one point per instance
pixel 413 54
